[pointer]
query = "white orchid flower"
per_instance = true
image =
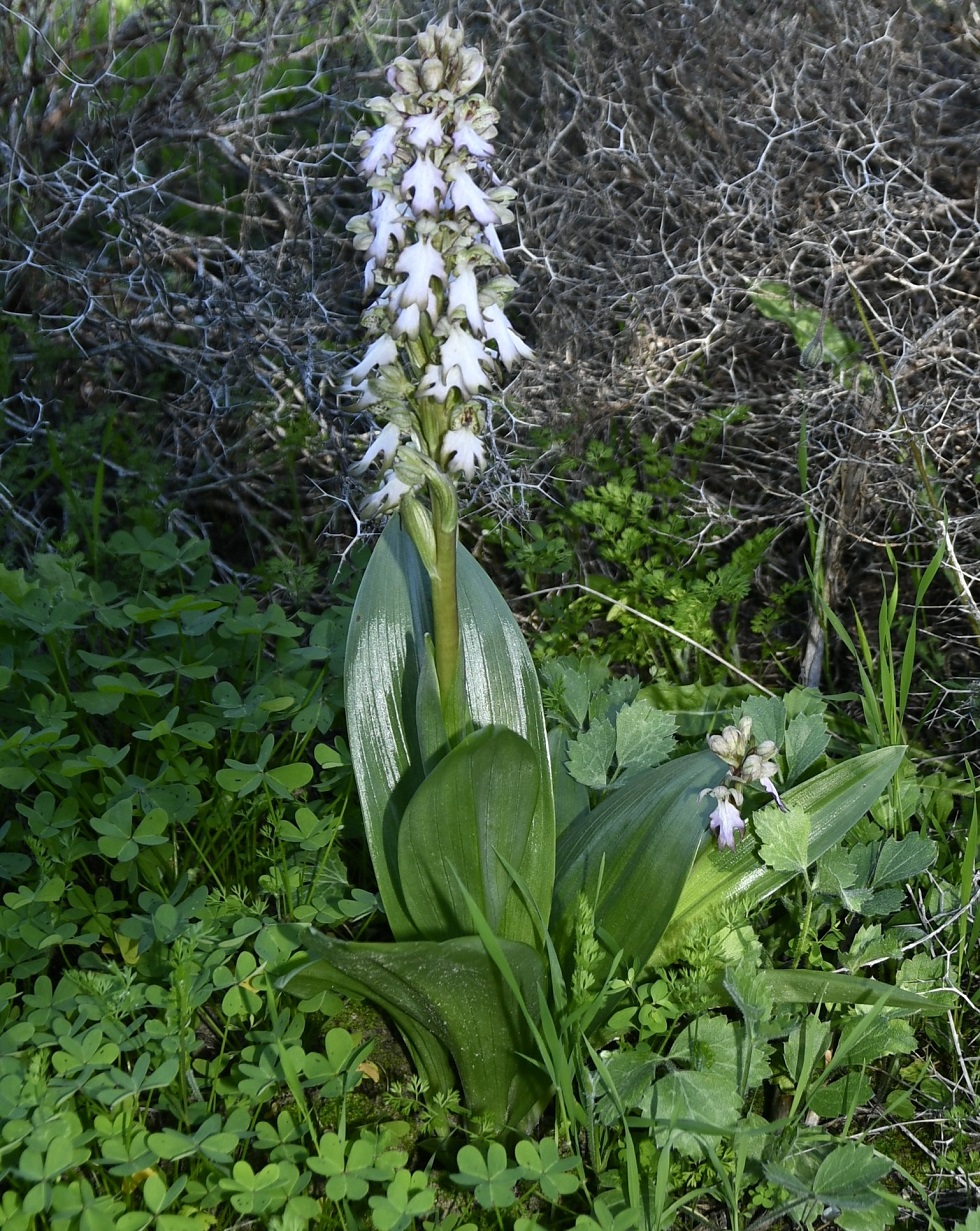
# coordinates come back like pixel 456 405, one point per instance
pixel 423 180
pixel 387 498
pixel 424 130
pixel 462 452
pixel 726 821
pixel 465 137
pixel 378 150
pixel 379 354
pixel 464 293
pixel 387 220
pixel 464 193
pixel 510 346
pixel 461 350
pixel 421 262
pixel 385 445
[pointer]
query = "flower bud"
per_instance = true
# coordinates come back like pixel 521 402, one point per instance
pixel 471 69
pixel 402 76
pixel 432 73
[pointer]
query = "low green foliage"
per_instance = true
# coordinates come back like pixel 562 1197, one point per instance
pixel 643 545
pixel 176 784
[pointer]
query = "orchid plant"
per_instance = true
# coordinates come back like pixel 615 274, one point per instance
pixel 484 882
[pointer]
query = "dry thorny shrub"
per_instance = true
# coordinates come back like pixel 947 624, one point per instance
pixel 176 186
pixel 671 155
pixel 174 180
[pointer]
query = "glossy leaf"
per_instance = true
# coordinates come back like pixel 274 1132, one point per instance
pixel 386 656
pixel 449 1000
pixel 834 800
pixel 469 822
pixel 821 987
pixel 632 854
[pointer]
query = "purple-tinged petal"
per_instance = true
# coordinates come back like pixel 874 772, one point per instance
pixel 465 137
pixel 424 130
pixel 767 785
pixel 726 821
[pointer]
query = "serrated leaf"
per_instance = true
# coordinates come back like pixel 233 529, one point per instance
pixel 841 1098
pixel 696 708
pixel 644 736
pixel 900 859
pixel 849 1168
pixel 572 685
pixel 834 800
pixel 690 1105
pixel 784 838
pixel 806 739
pixel 591 752
pixel 768 716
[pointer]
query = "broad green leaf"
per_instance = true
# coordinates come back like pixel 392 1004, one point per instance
pixel 644 736
pixel 571 685
pixel 591 752
pixel 571 797
pixel 841 1098
pixel 543 1166
pixel 448 999
pixel 806 739
pixel 385 652
pixel 776 301
pixel 430 726
pixel 490 1178
pixel 290 777
pixel 806 1043
pixel 474 811
pixel 784 838
pixel 902 858
pixel 690 1104
pixel 848 1169
pixel 632 854
pixel 768 716
pixel 834 800
pixel 697 708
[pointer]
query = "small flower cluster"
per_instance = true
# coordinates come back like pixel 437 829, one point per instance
pixel 438 325
pixel 747 763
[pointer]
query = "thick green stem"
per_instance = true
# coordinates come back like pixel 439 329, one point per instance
pixel 434 535
pixel 445 611
pixel 445 601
